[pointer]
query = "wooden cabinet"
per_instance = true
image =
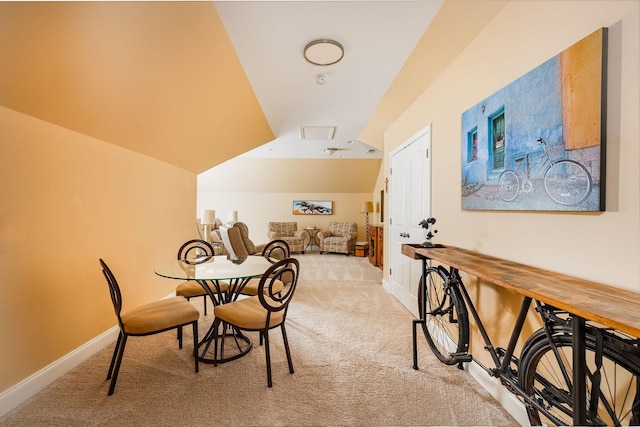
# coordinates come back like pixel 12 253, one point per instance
pixel 376 239
pixel 379 247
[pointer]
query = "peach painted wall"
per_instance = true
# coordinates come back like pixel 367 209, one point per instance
pixel 68 200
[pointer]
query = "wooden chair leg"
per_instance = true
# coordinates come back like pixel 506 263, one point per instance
pixel 180 337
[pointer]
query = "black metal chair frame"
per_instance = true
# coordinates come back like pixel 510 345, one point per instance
pixel 275 247
pixel 272 302
pixel 197 245
pixel 118 351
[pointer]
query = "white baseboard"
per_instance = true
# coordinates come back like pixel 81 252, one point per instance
pixel 385 286
pixel 508 401
pixel 14 396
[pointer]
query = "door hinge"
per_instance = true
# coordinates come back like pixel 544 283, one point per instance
pixel 389 271
pixel 427 153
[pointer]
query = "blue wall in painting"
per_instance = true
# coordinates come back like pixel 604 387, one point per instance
pixel 532 108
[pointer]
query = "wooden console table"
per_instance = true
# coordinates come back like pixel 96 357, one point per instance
pixel 583 299
pixel 613 307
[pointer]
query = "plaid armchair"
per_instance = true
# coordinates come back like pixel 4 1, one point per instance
pixel 340 237
pixel 287 231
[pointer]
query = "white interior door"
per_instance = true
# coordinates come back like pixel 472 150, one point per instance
pixel 410 202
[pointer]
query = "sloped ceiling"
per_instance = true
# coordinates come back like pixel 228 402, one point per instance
pixel 163 79
pixel 159 78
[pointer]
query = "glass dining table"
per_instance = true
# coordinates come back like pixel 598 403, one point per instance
pixel 223 279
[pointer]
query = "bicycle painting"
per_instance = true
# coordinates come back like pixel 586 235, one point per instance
pixel 538 144
pixel 566 182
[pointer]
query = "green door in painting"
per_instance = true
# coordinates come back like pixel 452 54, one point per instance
pixel 497 141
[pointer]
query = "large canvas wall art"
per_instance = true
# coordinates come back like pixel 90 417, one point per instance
pixel 538 144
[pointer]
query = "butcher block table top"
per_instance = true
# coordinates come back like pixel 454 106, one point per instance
pixel 610 306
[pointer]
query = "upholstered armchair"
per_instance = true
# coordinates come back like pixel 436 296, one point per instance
pixel 287 231
pixel 235 237
pixel 340 237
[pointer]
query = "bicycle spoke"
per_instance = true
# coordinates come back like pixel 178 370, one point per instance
pixel 567 182
pixel 611 383
pixel 508 185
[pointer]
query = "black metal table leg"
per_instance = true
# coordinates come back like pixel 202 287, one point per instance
pixel 579 372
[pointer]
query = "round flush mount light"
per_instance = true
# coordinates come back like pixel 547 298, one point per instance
pixel 323 52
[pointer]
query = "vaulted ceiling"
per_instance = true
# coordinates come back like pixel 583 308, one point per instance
pixel 183 82
pixel 159 78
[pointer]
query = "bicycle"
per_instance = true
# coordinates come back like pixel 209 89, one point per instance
pixel 566 181
pixel 542 377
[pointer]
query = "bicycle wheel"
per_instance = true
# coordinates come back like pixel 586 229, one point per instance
pixel 613 391
pixel 508 185
pixel 567 182
pixel 446 323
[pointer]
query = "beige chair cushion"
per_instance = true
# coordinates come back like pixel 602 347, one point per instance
pixel 191 289
pixel 159 315
pixel 251 288
pixel 247 313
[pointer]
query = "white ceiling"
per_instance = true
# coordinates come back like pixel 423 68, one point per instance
pixel 269 38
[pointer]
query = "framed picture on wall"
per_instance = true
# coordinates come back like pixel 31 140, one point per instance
pixel 312 207
pixel 538 144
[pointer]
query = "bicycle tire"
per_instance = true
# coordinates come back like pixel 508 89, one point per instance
pixel 540 377
pixel 508 185
pixel 446 322
pixel 567 182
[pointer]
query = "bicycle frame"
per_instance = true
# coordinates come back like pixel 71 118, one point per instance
pixel 568 372
pixel 502 367
pixel 529 170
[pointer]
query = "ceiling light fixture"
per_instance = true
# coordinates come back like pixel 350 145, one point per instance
pixel 323 52
pixel 330 150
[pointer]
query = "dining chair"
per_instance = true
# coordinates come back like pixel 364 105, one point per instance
pixel 263 312
pixel 273 251
pixel 195 251
pixel 149 319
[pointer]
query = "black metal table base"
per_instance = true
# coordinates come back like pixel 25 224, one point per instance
pixel 230 339
pixel 232 344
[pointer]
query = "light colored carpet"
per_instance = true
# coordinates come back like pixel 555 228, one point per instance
pixel 351 347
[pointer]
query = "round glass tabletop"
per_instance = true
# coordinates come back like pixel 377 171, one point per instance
pixel 216 268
